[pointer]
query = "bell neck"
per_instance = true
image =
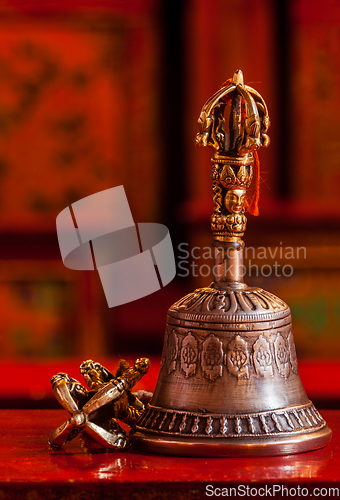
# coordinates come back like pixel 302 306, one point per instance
pixel 228 264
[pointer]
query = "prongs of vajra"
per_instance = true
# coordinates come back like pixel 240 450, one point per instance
pixel 235 120
pixel 60 435
pixel 260 106
pixel 115 441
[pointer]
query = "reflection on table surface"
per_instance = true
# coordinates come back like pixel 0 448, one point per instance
pixel 27 458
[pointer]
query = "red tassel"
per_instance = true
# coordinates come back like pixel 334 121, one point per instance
pixel 226 83
pixel 253 205
pixel 226 98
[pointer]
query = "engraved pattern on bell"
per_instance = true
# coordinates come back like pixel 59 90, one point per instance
pixel 288 421
pixel 281 355
pixel 263 358
pixel 212 358
pixel 189 355
pixel 171 350
pixel 238 358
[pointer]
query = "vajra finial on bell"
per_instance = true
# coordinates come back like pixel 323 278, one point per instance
pixel 235 142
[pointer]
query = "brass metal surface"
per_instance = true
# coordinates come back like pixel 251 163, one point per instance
pixel 229 383
pixel 233 159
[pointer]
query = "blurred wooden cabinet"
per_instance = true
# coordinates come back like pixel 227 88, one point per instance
pixel 81 109
pixel 289 51
pixel 79 104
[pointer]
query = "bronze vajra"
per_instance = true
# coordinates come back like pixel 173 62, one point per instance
pixel 95 411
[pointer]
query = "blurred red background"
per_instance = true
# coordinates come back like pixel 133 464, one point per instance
pixel 94 94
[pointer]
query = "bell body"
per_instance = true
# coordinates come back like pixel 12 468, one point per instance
pixel 229 382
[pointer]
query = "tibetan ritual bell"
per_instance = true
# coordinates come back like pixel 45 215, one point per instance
pixel 229 382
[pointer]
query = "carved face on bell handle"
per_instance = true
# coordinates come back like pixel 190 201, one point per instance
pixel 234 200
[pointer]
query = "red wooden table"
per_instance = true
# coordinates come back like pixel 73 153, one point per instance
pixel 28 469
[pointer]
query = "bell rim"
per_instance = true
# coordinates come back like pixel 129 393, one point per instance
pixel 232 447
